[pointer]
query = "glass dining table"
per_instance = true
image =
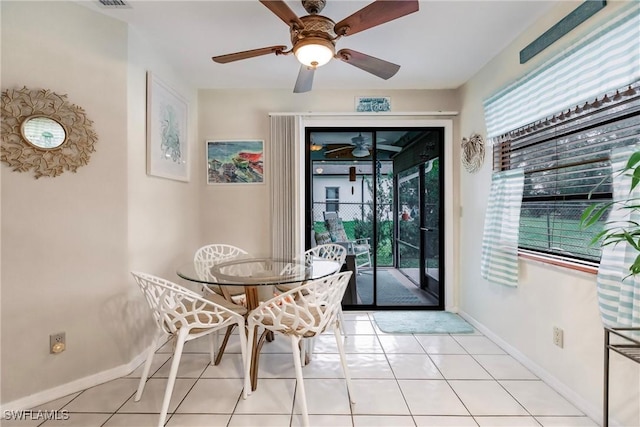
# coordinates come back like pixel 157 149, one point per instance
pixel 252 273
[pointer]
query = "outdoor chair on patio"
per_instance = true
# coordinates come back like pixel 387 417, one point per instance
pixel 337 234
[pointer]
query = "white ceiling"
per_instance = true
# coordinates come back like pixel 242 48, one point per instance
pixel 439 47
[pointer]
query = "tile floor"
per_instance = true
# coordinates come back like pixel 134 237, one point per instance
pixel 399 380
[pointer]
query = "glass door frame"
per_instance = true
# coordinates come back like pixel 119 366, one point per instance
pixel 341 120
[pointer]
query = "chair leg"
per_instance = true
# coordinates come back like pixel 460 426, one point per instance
pixel 295 342
pixel 251 332
pixel 343 360
pixel 242 332
pixel 341 322
pixel 213 344
pixel 172 376
pixel 145 371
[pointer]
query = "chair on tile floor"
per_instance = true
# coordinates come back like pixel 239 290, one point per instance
pixel 185 316
pixel 302 312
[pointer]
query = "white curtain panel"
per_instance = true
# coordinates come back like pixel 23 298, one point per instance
pixel 618 292
pixel 606 59
pixel 501 228
pixel 283 185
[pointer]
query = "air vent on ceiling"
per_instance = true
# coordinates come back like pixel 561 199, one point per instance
pixel 114 4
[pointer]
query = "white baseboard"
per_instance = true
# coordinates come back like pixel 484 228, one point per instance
pixel 592 411
pixel 75 386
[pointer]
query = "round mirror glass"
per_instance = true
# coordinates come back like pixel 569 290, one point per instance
pixel 43 132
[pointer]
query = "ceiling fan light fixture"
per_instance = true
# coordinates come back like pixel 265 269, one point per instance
pixel 314 51
pixel 360 152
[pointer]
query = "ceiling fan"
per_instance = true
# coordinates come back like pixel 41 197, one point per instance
pixel 314 37
pixel 361 147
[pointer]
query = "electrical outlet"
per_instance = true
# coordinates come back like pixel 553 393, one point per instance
pixel 57 343
pixel 558 336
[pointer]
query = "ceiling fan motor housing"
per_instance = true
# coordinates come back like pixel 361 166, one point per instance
pixel 313 6
pixel 314 26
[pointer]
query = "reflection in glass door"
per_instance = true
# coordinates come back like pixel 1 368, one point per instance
pixel 376 192
pixel 408 220
pixel 418 230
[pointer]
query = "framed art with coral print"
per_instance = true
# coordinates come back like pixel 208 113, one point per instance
pixel 167 123
pixel 235 162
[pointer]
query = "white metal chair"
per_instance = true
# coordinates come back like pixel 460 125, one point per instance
pixel 183 315
pixel 302 312
pixel 210 255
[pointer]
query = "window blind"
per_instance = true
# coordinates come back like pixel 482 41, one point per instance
pixel 604 60
pixel 567 168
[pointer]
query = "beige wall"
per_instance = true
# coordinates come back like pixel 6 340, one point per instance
pixel 68 243
pixel 64 239
pixel 240 215
pixel 546 296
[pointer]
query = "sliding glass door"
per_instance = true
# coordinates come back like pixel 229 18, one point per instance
pixel 366 182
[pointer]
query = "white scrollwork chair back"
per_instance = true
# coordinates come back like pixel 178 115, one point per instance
pixel 184 315
pixel 303 312
pixel 210 255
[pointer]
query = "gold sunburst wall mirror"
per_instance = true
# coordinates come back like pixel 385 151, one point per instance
pixel 43 132
pixel 473 153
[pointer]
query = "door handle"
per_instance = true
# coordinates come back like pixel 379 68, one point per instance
pixel 426 229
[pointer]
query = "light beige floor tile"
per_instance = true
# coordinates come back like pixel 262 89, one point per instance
pixel 79 420
pixel 413 366
pixel 18 418
pixel 358 327
pixel 323 365
pixel 325 396
pixel 212 396
pixel 504 367
pixel 478 344
pixel 153 395
pixel 486 398
pixel 198 420
pixel 132 420
pixel 192 365
pixel 368 366
pixel 230 367
pixel 431 397
pixel 262 420
pixel 378 397
pixel 159 359
pixel 272 396
pixel 459 366
pixel 400 344
pixel 440 344
pixel 56 404
pixel 107 397
pixel 540 399
pixel 507 422
pixel 383 421
pixel 323 421
pixel 276 365
pixel 567 422
pixel 357 315
pixel 444 421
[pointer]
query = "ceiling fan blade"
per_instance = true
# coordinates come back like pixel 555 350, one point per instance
pixel 376 13
pixel 376 66
pixel 283 12
pixel 223 59
pixel 393 148
pixel 304 82
pixel 335 150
